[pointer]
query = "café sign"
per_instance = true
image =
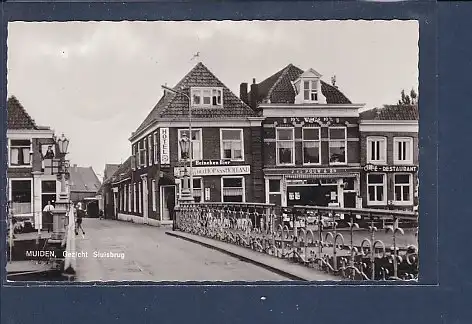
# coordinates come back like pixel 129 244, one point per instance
pixel 215 170
pixel 390 168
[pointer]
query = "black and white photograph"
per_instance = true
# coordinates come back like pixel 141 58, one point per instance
pixel 213 151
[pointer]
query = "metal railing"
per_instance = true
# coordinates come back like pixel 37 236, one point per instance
pixel 357 244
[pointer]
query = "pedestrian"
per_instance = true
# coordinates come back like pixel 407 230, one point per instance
pixel 47 211
pixel 80 216
pixel 100 214
pixel 170 201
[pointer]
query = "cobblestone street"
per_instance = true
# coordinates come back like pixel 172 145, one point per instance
pixel 124 251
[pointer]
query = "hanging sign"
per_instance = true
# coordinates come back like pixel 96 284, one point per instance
pixel 216 170
pixel 164 141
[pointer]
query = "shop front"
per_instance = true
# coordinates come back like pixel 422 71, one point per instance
pixel 313 187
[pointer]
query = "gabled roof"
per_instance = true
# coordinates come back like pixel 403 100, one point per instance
pixel 18 118
pixel 278 88
pixel 110 169
pixel 391 112
pixel 83 179
pixel 172 105
pixel 123 172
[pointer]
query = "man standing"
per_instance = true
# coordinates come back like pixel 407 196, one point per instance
pixel 47 215
pixel 80 216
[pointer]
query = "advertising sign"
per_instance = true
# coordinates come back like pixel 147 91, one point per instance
pixel 165 150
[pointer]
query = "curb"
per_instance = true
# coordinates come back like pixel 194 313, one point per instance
pixel 238 256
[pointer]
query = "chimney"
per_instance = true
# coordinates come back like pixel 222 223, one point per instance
pixel 254 95
pixel 243 93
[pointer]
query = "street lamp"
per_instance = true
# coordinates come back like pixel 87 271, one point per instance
pixel 62 204
pixel 186 150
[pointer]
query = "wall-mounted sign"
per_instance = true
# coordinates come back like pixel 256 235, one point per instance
pixel 207 194
pixel 390 168
pixel 310 171
pixel 164 141
pixel 215 170
pixel 211 162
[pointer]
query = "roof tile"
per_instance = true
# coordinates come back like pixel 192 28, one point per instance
pixel 18 118
pixel 391 112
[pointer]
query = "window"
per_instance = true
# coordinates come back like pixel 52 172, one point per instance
pixel 140 203
pixel 274 193
pixel 129 197
pixel 376 149
pixel 403 188
pixel 311 146
pixel 145 147
pixel 232 144
pixel 310 90
pixel 285 146
pixel 403 150
pixel 21 196
pixel 232 189
pixel 207 96
pixel 153 188
pixel 149 150
pixel 135 156
pixel 196 143
pixel 20 152
pixel 156 149
pixel 48 192
pixel 198 189
pixel 135 199
pixel 376 188
pixel 141 155
pixel 337 145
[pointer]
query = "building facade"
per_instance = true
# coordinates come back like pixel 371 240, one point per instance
pixel 310 140
pixel 31 183
pixel 226 150
pixel 389 146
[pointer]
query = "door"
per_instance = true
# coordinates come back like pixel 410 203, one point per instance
pixel 167 202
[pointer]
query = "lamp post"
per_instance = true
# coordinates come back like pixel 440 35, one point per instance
pixel 186 150
pixel 62 204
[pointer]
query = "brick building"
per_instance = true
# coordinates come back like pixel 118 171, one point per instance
pixel 389 146
pixel 30 184
pixel 310 140
pixel 226 161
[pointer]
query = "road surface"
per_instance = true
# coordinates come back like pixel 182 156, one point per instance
pixel 122 251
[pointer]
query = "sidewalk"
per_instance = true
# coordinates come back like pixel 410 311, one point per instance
pixel 281 266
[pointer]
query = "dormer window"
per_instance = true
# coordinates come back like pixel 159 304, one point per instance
pixel 310 90
pixel 207 97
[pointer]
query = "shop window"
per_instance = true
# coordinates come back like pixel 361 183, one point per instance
pixel 376 188
pixel 310 90
pixel 207 96
pixel 403 188
pixel 337 145
pixel 376 149
pixel 311 146
pixel 232 189
pixel 196 143
pixel 156 149
pixel 20 152
pixel 21 196
pixel 403 150
pixel 232 144
pixel 285 146
pixel 274 192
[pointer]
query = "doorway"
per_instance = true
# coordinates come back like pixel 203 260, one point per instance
pixel 167 202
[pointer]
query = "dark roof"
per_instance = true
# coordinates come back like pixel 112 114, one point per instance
pixel 391 112
pixel 83 179
pixel 18 118
pixel 123 172
pixel 110 169
pixel 172 105
pixel 278 88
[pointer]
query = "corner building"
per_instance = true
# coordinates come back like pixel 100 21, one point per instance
pixel 226 150
pixel 311 140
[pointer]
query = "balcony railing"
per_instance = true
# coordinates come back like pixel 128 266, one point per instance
pixel 357 244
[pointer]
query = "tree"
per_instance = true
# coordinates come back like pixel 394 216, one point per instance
pixel 408 99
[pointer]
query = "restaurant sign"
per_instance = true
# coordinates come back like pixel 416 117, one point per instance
pixel 215 170
pixel 390 168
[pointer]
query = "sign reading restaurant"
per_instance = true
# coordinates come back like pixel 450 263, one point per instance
pixel 390 168
pixel 215 170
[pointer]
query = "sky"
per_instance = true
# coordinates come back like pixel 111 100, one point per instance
pixel 97 81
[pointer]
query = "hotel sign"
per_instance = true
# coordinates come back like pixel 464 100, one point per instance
pixel 390 168
pixel 215 170
pixel 164 141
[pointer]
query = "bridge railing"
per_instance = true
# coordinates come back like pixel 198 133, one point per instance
pixel 357 244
